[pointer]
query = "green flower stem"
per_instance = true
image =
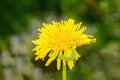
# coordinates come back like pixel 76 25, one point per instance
pixel 64 71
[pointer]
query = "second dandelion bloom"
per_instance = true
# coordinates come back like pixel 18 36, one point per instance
pixel 58 41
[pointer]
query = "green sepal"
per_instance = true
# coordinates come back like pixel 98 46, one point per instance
pixel 72 57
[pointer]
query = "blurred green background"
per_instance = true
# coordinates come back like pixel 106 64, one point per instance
pixel 20 19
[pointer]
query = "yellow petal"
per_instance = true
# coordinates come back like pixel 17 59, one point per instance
pixel 82 30
pixel 68 53
pixel 70 64
pixel 42 53
pixel 58 64
pixel 59 61
pixel 52 57
pixel 77 56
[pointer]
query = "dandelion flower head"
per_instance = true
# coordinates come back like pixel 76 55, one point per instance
pixel 58 41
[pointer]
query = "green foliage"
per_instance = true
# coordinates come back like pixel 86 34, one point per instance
pixel 14 16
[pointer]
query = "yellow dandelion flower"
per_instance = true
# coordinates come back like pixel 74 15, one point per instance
pixel 59 40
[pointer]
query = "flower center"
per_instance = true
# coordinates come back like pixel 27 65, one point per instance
pixel 62 40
